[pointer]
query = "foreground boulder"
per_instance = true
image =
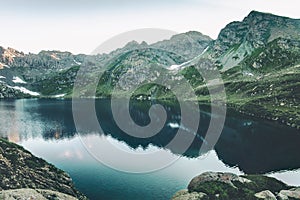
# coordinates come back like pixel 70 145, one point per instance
pixel 216 185
pixel 20 169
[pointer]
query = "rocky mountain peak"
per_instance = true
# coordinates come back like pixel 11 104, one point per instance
pixel 65 53
pixel 255 31
pixel 131 44
pixel 256 15
pixel 192 35
pixel 188 45
pixel 7 55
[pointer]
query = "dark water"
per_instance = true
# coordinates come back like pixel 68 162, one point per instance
pixel 247 145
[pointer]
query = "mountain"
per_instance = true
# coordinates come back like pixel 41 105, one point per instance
pixel 240 39
pixel 187 45
pixel 137 66
pixel 258 59
pixel 7 56
pixel 52 73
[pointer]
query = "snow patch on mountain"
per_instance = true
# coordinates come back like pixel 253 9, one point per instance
pixel 178 67
pixel 24 90
pixel 77 63
pixel 183 65
pixel 174 67
pixel 17 79
pixel 54 56
pixel 59 95
pixel 248 74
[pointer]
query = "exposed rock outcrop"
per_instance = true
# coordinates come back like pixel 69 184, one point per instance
pixel 228 186
pixel 20 169
pixel 293 193
pixel 186 195
pixel 267 195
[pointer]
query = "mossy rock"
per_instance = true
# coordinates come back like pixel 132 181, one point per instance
pixel 233 187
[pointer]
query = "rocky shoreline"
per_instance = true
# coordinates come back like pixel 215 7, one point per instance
pixel 228 186
pixel 34 194
pixel 24 175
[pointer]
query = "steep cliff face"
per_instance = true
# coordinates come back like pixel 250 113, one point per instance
pixel 20 169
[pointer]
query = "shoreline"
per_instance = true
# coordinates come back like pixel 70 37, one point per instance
pixel 229 106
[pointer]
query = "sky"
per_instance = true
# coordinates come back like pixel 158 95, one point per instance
pixel 79 26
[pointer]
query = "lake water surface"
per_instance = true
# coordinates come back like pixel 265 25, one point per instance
pixel 247 145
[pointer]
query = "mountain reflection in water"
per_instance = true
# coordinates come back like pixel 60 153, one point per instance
pixel 252 145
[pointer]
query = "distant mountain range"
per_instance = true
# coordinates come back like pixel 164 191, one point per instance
pixel 258 58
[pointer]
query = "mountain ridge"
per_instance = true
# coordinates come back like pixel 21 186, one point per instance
pixel 258 59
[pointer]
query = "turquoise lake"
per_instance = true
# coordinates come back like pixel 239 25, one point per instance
pixel 246 145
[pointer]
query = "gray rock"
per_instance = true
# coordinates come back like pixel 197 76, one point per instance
pixel 227 178
pixel 293 193
pixel 267 195
pixel 185 195
pixel 228 186
pixel 188 45
pixel 24 194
